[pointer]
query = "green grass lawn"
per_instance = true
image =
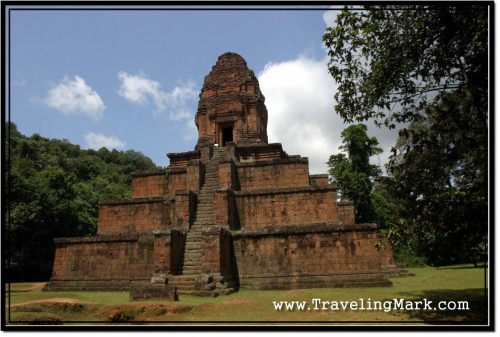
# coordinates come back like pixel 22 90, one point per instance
pixel 27 304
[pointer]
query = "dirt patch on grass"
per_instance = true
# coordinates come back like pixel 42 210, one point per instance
pixel 35 286
pixel 141 312
pixel 50 300
pixel 238 301
pixel 25 287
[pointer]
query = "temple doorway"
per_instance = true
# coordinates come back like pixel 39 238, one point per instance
pixel 227 135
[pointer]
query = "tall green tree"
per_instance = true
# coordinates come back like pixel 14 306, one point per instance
pixel 440 184
pixel 426 66
pixel 352 173
pixel 393 61
pixel 52 189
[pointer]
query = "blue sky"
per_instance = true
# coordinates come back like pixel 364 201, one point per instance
pixel 130 79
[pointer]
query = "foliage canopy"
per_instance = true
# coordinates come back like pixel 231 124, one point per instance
pixel 425 66
pixel 352 173
pixel 392 61
pixel 52 190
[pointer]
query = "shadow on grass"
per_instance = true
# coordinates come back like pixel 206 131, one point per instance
pixel 477 312
pixel 481 266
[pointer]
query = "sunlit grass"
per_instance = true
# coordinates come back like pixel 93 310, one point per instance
pixel 451 284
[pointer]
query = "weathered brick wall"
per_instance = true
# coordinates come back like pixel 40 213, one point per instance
pixel 177 244
pixel 225 209
pixel 142 257
pixel 112 262
pixel 273 174
pixel 185 209
pixel 217 254
pixel 176 180
pixel 180 160
pixel 260 152
pixel 346 212
pixel 139 215
pixel 211 252
pixel 286 206
pixel 195 174
pixel 103 261
pixel 303 256
pixel 227 176
pixel 149 184
pixel 318 180
pixel 226 254
pixel 168 249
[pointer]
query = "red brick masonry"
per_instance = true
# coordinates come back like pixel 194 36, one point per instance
pixel 243 210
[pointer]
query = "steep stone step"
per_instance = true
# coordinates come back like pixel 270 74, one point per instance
pixel 206 200
pixel 192 237
pixel 205 293
pixel 204 221
pixel 193 248
pixel 193 242
pixel 197 284
pixel 192 254
pixel 192 257
pixel 205 216
pixel 206 211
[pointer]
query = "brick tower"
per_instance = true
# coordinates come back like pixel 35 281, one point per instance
pixel 231 106
pixel 234 212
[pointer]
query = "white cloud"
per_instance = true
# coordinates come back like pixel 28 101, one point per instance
pixel 139 89
pixel 75 96
pixel 96 141
pixel 329 17
pixel 300 102
pixel 299 99
pixel 190 131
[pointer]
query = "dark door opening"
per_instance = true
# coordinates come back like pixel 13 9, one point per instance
pixel 227 135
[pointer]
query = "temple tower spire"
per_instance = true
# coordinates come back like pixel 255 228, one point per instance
pixel 231 106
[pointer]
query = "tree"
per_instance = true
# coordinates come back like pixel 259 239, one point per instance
pixel 52 190
pixel 440 184
pixel 427 66
pixel 393 61
pixel 352 173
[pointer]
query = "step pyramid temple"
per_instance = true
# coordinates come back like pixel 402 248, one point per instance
pixel 235 212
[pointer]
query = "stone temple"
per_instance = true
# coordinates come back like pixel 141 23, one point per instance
pixel 235 212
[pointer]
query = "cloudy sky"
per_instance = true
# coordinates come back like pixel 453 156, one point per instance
pixel 130 79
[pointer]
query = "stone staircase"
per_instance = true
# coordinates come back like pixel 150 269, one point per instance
pixel 190 279
pixel 201 285
pixel 191 261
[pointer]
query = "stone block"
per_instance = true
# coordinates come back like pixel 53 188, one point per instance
pixel 159 279
pixel 153 292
